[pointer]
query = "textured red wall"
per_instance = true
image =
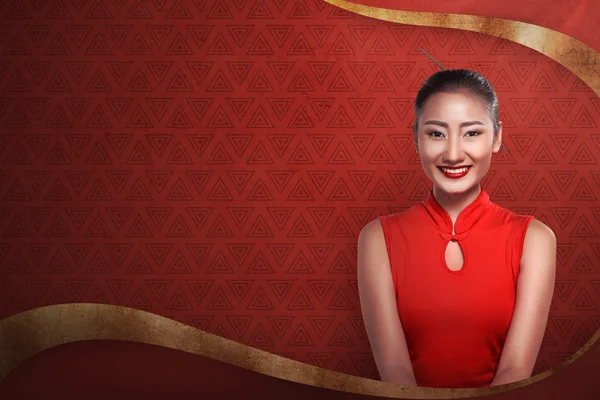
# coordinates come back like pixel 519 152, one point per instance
pixel 213 161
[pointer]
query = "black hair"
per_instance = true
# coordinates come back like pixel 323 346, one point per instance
pixel 455 80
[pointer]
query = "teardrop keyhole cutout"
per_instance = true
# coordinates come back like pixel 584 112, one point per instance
pixel 454 256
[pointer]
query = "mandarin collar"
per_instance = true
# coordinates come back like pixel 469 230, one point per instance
pixel 465 221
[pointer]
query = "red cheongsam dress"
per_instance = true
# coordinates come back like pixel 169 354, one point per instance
pixel 455 322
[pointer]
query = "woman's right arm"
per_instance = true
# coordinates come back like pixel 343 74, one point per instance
pixel 379 308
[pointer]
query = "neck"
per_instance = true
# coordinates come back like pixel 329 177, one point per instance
pixel 455 203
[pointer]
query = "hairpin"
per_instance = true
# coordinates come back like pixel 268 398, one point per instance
pixel 431 58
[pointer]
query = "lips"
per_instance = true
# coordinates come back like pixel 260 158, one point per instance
pixel 455 172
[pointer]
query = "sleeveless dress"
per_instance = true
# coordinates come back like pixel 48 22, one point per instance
pixel 455 322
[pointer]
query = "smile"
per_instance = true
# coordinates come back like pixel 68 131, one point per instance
pixel 455 172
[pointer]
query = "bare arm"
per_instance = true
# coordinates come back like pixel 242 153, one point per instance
pixel 535 287
pixel 379 308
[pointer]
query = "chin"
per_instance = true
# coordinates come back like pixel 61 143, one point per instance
pixel 455 187
pixel 453 190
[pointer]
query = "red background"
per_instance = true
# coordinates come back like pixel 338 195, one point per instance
pixel 213 162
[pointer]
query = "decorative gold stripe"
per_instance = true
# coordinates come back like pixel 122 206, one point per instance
pixel 33 331
pixel 574 55
pixel 28 333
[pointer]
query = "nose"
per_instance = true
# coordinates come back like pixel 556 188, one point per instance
pixel 454 151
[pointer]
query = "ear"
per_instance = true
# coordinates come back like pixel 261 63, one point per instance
pixel 497 139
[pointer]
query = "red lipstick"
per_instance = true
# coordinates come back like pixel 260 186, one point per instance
pixel 455 172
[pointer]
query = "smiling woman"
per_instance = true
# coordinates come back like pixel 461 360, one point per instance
pixel 455 291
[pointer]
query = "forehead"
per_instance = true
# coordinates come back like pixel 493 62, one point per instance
pixel 462 104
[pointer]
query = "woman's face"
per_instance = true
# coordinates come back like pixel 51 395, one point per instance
pixel 456 140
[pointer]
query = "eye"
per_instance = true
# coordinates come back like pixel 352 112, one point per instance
pixel 473 133
pixel 436 134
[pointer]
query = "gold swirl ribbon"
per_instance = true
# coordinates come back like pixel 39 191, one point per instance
pixel 26 334
pixel 31 332
pixel 581 59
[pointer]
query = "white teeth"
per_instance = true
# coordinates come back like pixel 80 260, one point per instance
pixel 454 170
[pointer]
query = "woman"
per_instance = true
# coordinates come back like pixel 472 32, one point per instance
pixel 456 291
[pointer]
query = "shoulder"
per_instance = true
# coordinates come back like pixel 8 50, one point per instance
pixel 372 249
pixel 406 217
pixel 504 214
pixel 539 247
pixel 372 243
pixel 373 231
pixel 514 223
pixel 539 233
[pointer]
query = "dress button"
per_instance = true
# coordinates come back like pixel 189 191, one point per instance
pixel 456 237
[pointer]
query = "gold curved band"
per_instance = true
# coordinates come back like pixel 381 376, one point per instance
pixel 26 334
pixel 31 332
pixel 576 56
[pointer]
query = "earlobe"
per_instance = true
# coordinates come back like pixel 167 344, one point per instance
pixel 498 139
pixel 497 146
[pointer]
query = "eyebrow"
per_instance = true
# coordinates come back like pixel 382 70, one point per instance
pixel 445 125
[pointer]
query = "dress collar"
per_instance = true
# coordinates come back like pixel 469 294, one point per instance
pixel 465 221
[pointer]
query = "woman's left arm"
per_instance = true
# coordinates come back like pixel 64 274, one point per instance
pixel 535 287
